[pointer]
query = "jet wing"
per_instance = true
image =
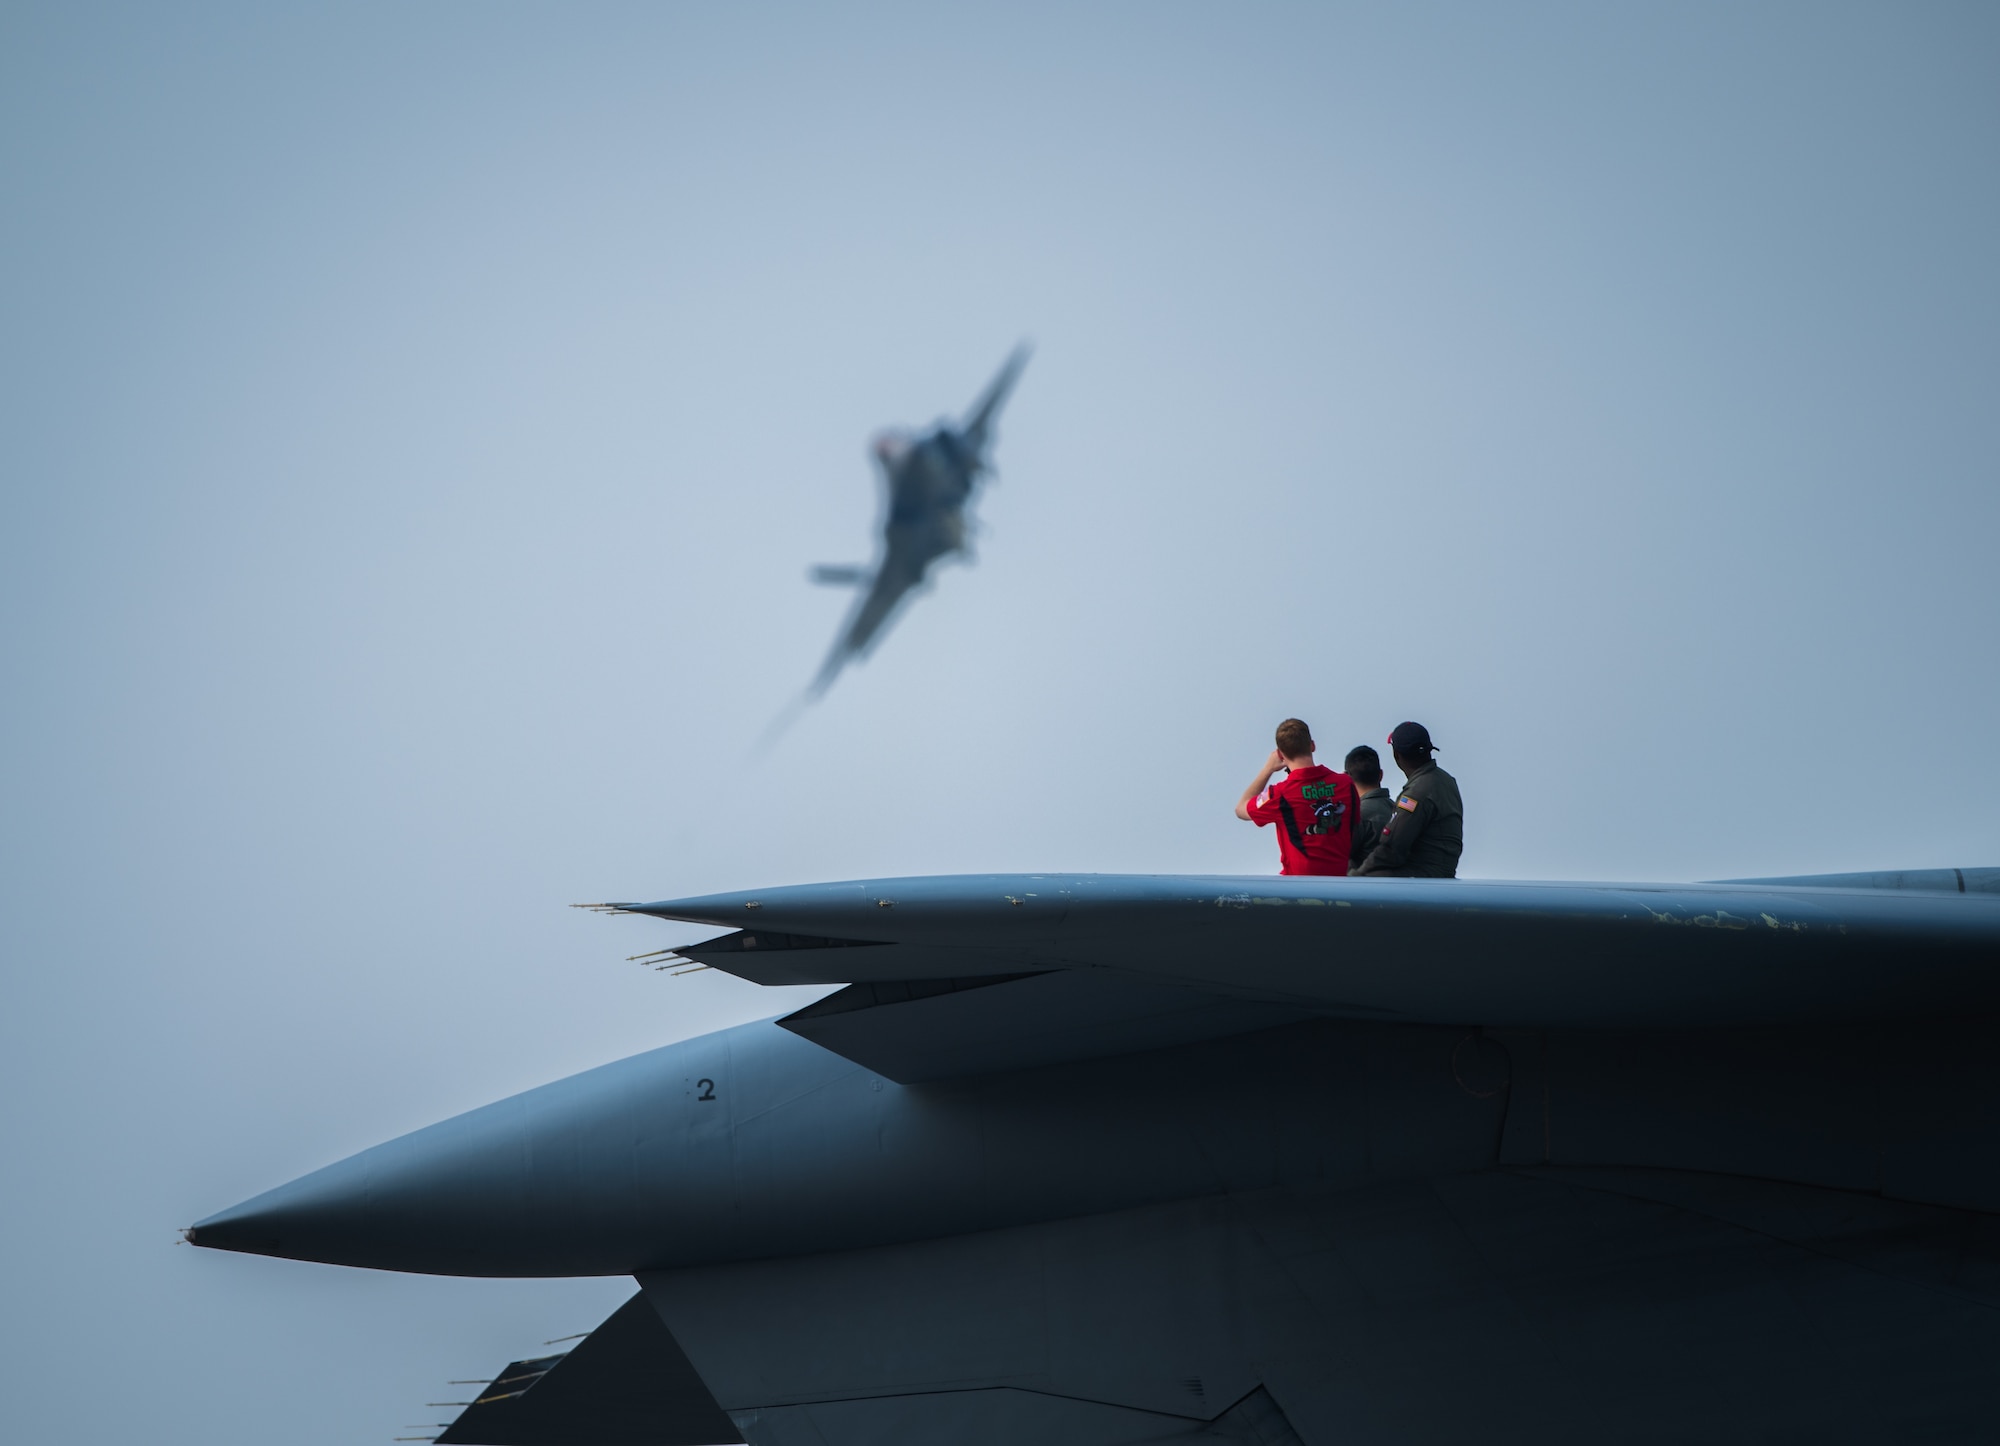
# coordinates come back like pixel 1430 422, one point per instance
pixel 979 421
pixel 1169 958
pixel 899 573
pixel 628 1381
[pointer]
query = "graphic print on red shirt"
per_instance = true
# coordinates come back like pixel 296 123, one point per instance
pixel 1314 809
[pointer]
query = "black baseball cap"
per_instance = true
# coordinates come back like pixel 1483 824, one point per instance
pixel 1411 738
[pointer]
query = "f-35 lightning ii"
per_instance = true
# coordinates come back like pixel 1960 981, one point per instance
pixel 1088 1160
pixel 929 480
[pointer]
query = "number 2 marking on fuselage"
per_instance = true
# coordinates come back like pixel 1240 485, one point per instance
pixel 707 1088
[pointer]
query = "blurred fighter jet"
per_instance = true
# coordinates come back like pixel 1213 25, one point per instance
pixel 930 480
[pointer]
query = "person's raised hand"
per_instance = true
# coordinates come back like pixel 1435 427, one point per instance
pixel 1276 762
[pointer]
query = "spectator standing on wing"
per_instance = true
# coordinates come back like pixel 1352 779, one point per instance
pixel 1426 830
pixel 1314 807
pixel 1364 766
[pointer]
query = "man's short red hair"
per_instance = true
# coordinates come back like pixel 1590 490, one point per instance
pixel 1295 740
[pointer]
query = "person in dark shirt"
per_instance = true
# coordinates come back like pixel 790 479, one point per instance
pixel 1426 830
pixel 1315 806
pixel 1364 766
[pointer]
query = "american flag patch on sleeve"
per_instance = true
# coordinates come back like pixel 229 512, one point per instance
pixel 1407 804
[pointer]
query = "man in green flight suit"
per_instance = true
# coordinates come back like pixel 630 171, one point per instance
pixel 1426 830
pixel 1364 766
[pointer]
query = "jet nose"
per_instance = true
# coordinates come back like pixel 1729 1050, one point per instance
pixel 289 1221
pixel 432 1201
pixel 545 1183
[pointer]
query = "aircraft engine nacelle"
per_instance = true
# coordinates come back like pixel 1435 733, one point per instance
pixel 754 1142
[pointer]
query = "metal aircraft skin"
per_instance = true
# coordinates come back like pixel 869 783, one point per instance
pixel 930 480
pixel 1098 1160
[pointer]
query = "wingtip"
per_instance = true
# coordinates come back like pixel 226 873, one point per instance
pixel 722 911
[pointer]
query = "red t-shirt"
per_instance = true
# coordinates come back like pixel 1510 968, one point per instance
pixel 1315 810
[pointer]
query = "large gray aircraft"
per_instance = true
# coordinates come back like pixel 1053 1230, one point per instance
pixel 929 481
pixel 1102 1160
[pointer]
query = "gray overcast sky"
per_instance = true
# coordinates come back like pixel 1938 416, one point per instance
pixel 418 422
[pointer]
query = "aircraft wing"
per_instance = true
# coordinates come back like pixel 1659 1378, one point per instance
pixel 893 582
pixel 1662 1225
pixel 984 972
pixel 1273 1162
pixel 627 1381
pixel 979 421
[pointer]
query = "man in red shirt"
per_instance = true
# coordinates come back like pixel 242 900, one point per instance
pixel 1314 807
